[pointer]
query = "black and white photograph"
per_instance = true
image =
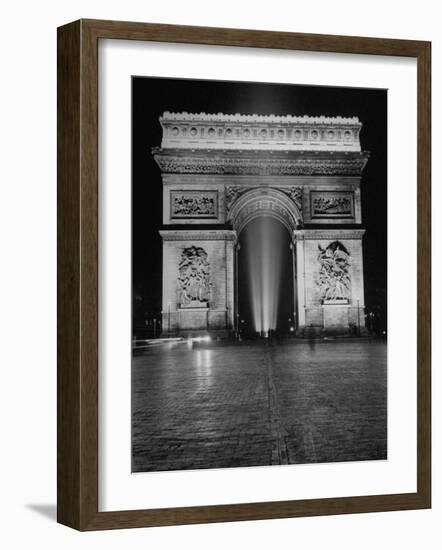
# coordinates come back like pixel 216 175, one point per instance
pixel 259 274
pixel 217 275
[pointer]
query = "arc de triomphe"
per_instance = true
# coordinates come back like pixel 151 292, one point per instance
pixel 221 171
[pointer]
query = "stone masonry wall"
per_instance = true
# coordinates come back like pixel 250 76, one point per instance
pixel 219 313
pixel 315 314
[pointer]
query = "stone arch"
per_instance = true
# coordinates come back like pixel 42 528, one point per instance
pixel 265 202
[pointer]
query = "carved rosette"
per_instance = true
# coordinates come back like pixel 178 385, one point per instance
pixel 194 277
pixel 334 282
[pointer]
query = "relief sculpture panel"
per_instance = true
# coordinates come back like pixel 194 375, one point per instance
pixel 333 280
pixel 194 277
pixel 332 204
pixel 193 204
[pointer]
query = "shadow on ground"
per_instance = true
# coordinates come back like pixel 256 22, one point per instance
pixel 49 511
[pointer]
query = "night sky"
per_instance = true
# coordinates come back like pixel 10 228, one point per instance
pixel 152 96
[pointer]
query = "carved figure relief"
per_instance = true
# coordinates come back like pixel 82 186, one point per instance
pixel 232 194
pixel 193 204
pixel 295 193
pixel 332 204
pixel 194 271
pixel 334 281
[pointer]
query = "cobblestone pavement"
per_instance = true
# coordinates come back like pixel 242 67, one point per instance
pixel 259 403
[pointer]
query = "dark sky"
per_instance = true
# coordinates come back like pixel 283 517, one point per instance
pixel 153 96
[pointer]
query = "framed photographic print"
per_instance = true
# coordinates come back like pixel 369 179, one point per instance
pixel 244 275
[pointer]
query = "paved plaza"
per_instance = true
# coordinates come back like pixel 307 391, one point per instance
pixel 258 403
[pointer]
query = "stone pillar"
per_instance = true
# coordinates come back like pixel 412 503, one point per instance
pixel 236 312
pixel 300 280
pixel 198 281
pixel 332 288
pixel 295 286
pixel 357 310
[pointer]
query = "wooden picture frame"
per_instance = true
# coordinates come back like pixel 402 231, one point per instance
pixel 78 274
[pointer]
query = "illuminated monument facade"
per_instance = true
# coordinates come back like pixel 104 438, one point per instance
pixel 219 172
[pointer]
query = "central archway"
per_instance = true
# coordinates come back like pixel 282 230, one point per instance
pixel 265 279
pixel 265 291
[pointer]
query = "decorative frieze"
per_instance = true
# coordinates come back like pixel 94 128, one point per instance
pixel 332 204
pixel 220 131
pixel 328 234
pixel 198 235
pixel 351 165
pixel 193 204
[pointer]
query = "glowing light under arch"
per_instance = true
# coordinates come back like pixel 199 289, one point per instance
pixel 264 249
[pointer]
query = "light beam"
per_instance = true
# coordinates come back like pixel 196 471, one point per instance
pixel 264 243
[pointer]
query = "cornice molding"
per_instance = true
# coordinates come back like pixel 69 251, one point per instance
pixel 198 235
pixel 221 117
pixel 247 180
pixel 298 166
pixel 338 234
